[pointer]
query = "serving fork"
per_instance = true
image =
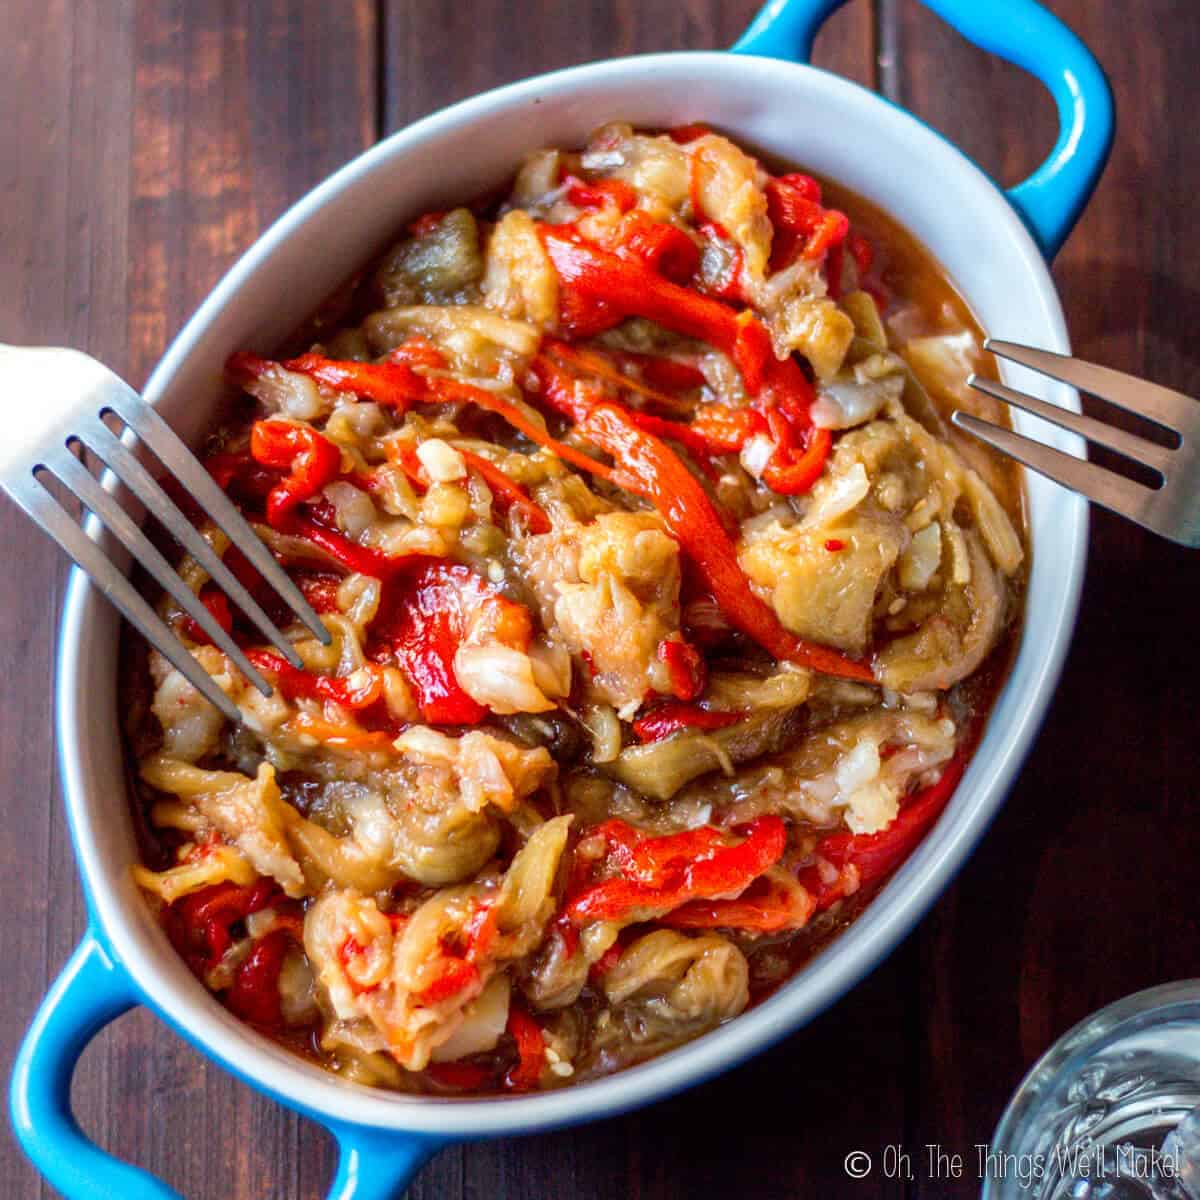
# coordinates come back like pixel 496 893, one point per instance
pixel 1171 509
pixel 62 402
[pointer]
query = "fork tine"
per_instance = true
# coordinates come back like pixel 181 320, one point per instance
pixel 1112 491
pixel 124 464
pixel 53 518
pixel 1170 409
pixel 180 461
pixel 1129 444
pixel 105 506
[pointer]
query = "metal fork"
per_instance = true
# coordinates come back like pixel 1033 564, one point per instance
pixel 1173 508
pixel 57 401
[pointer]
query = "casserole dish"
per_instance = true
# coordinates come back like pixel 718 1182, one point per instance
pixel 873 148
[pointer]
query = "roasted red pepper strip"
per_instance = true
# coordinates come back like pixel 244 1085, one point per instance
pixel 217 604
pixel 455 975
pixel 650 859
pixel 718 870
pixel 600 192
pixel 663 248
pixel 509 496
pixel 665 719
pixel 531 1049
pixel 314 462
pixel 392 383
pixel 802 227
pixel 664 374
pixel 294 683
pixel 426 223
pixel 599 289
pixel 797 472
pixel 311 459
pixel 239 475
pixel 874 856
pixel 602 367
pixel 396 384
pixel 254 994
pixel 765 907
pixel 725 430
pixel 686 666
pixel 423 617
pixel 205 917
pixel 648 467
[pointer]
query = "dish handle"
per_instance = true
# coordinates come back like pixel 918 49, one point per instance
pixel 92 991
pixel 1026 34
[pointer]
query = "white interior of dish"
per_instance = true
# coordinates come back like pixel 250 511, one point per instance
pixel 800 114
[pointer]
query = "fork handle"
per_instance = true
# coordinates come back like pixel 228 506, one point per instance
pixel 1024 33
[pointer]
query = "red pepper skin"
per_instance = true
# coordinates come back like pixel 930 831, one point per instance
pixel 607 368
pixel 686 667
pixel 645 858
pixel 456 974
pixel 531 1047
pixel 649 468
pixel 682 134
pixel 800 470
pixel 218 604
pixel 666 374
pixel 423 617
pixel 765 907
pixel 509 496
pixel 199 924
pixel 861 251
pixel 393 383
pixel 600 192
pixel 665 719
pixel 294 683
pixel 663 248
pixel 682 867
pixel 311 459
pixel 802 227
pixel 725 430
pixel 600 289
pixel 240 476
pixel 359 560
pixel 254 994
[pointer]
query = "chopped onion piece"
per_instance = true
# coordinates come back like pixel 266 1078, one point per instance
pixel 756 453
pixel 441 461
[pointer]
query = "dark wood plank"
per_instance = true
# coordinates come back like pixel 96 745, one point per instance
pixel 144 147
pixel 1081 891
pixel 63 248
pixel 436 54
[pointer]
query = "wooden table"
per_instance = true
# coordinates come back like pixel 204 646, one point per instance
pixel 145 145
